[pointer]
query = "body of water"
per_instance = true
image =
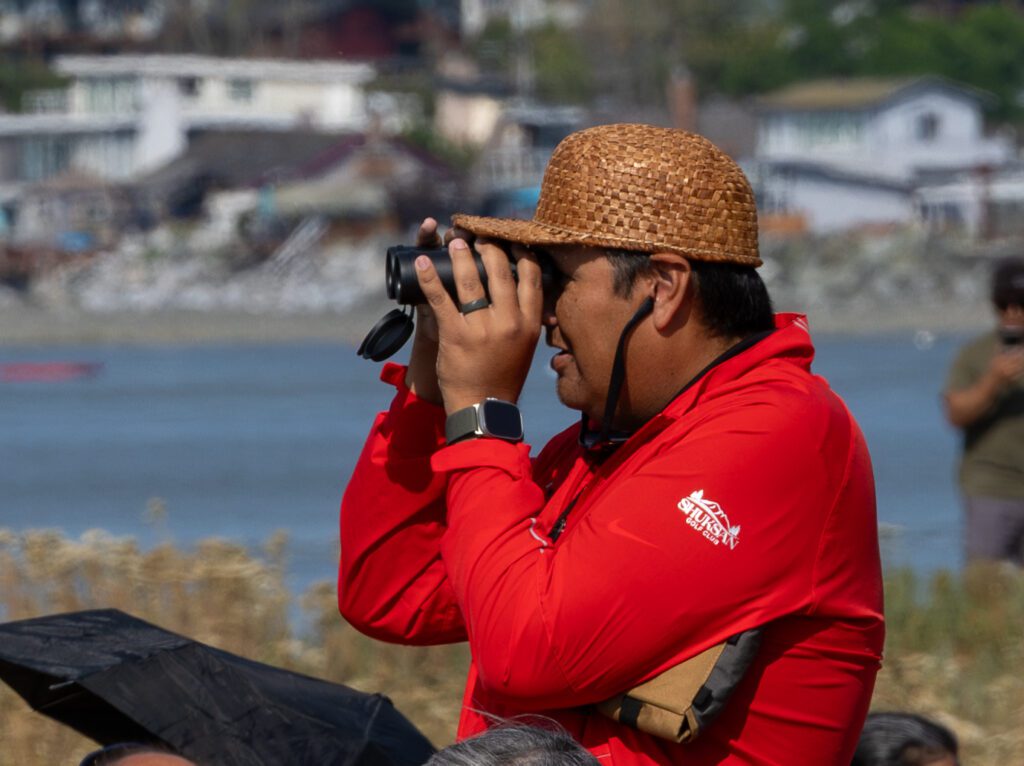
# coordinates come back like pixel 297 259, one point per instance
pixel 238 441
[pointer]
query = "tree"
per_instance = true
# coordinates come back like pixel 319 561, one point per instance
pixel 561 72
pixel 19 75
pixel 810 39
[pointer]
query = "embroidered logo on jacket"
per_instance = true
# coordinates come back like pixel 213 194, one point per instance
pixel 708 518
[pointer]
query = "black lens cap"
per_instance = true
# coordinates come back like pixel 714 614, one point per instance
pixel 387 336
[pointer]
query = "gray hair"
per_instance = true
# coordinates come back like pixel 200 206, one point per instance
pixel 903 739
pixel 516 745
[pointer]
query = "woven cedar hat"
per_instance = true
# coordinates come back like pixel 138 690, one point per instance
pixel 638 187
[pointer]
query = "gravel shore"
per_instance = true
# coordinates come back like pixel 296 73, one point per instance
pixel 902 282
pixel 29 325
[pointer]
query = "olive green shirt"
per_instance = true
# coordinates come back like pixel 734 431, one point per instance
pixel 993 453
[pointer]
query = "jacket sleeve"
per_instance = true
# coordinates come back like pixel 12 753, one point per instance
pixel 641 579
pixel 392 583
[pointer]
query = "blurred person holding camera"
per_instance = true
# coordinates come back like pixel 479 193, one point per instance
pixel 713 489
pixel 984 398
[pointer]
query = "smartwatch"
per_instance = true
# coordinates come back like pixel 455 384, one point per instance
pixel 495 418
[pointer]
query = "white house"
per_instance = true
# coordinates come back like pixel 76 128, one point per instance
pixel 520 14
pixel 983 203
pixel 123 115
pixel 844 153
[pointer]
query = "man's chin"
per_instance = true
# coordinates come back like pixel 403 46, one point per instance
pixel 565 394
pixel 571 398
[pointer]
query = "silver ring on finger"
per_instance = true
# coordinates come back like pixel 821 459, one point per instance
pixel 471 306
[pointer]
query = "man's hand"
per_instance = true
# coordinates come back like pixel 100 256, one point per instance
pixel 421 375
pixel 966 406
pixel 486 352
pixel 1007 366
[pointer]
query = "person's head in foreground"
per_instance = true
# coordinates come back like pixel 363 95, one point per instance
pixel 1008 294
pixel 905 739
pixel 640 221
pixel 134 754
pixel 516 745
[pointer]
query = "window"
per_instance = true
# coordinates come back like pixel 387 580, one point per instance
pixel 188 86
pixel 927 126
pixel 116 95
pixel 43 157
pixel 240 90
pixel 828 128
pixel 942 215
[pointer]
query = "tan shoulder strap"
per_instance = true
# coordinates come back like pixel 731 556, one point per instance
pixel 680 702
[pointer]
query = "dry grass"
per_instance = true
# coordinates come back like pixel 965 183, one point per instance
pixel 221 594
pixel 955 649
pixel 955 652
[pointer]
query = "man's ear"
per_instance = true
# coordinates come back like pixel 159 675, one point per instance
pixel 671 284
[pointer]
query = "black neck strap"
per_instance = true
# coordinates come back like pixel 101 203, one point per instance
pixel 605 438
pixel 729 353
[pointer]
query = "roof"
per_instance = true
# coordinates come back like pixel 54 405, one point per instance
pixel 345 147
pixel 859 93
pixel 250 159
pixel 241 158
pixel 189 65
pixel 825 172
pixel 73 181
pixel 64 124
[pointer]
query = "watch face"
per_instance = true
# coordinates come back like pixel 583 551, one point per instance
pixel 501 419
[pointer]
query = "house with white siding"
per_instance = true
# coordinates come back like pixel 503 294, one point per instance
pixel 123 115
pixel 845 153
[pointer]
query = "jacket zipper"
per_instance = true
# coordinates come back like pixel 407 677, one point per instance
pixel 562 520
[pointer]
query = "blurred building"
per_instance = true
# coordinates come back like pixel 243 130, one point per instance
pixel 300 172
pixel 277 194
pixel 468 107
pixel 73 213
pixel 511 135
pixel 475 15
pixel 831 155
pixel 86 22
pixel 124 115
pixel 731 124
pixel 986 203
pixel 355 30
pixel 517 151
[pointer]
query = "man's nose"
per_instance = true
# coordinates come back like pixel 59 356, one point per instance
pixel 547 315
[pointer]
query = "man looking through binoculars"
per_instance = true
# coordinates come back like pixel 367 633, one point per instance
pixel 713 487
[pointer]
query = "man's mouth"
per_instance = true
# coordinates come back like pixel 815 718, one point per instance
pixel 560 359
pixel 562 354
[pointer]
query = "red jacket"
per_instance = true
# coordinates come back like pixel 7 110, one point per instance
pixel 749 501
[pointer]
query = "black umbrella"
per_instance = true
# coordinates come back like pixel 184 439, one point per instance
pixel 115 678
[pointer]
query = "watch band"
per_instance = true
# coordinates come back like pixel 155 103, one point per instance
pixel 494 418
pixel 462 424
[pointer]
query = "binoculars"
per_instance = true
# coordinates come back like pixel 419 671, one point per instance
pixel 400 273
pixel 394 329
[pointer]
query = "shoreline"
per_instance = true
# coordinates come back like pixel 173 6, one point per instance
pixel 34 326
pixel 26 325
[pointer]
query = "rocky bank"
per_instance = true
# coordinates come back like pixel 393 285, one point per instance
pixel 164 287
